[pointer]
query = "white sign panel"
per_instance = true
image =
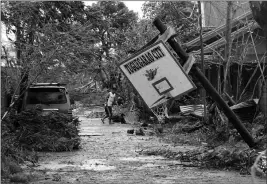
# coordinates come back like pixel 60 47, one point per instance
pixel 155 72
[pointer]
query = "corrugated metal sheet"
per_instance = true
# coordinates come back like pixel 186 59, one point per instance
pixel 197 110
pixel 245 104
pixel 246 111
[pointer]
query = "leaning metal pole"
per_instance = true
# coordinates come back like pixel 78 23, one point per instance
pixel 208 86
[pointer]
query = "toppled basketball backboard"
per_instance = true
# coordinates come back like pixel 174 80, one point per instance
pixel 155 73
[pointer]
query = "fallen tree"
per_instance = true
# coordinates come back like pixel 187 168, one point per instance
pixel 30 131
pixel 53 132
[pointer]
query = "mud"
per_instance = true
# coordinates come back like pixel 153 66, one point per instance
pixel 110 156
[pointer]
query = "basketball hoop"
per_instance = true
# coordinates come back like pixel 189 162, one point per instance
pixel 160 109
pixel 157 76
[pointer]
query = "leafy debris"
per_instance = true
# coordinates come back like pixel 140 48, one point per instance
pixel 54 132
pixel 218 158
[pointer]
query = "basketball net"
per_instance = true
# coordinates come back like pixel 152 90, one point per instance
pixel 160 109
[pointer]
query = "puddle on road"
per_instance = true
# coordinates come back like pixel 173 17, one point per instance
pixel 100 164
pixel 94 164
pixel 149 165
pixel 151 162
pixel 142 159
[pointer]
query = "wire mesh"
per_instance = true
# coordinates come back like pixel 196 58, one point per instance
pixel 160 111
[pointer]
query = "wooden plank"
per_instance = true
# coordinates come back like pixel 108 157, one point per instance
pixel 218 30
pixel 210 48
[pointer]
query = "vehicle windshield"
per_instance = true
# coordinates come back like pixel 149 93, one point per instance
pixel 46 96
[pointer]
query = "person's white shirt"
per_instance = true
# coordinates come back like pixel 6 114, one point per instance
pixel 111 98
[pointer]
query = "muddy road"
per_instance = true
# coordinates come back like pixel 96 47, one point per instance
pixel 110 156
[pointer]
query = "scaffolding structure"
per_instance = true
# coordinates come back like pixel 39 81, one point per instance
pixel 248 53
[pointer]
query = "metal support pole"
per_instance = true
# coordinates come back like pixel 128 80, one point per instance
pixel 203 92
pixel 208 86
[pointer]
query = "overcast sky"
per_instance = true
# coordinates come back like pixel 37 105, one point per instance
pixel 132 5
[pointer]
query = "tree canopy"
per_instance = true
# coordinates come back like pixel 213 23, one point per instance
pixel 182 15
pixel 62 40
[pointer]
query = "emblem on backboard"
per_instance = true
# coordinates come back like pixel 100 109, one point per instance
pixel 151 73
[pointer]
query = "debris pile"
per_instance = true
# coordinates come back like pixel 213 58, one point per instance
pixel 54 132
pixel 217 158
pixel 222 146
pixel 95 114
pixel 187 124
pixel 94 98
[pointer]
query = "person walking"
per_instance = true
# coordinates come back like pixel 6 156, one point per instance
pixel 108 105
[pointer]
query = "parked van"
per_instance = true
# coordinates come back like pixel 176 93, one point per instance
pixel 49 96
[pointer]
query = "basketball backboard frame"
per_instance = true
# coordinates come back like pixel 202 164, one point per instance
pixel 162 85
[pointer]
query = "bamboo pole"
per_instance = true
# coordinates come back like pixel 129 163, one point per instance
pixel 227 45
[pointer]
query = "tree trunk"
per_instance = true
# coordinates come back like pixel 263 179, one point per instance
pixel 23 86
pixel 25 68
pixel 19 62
